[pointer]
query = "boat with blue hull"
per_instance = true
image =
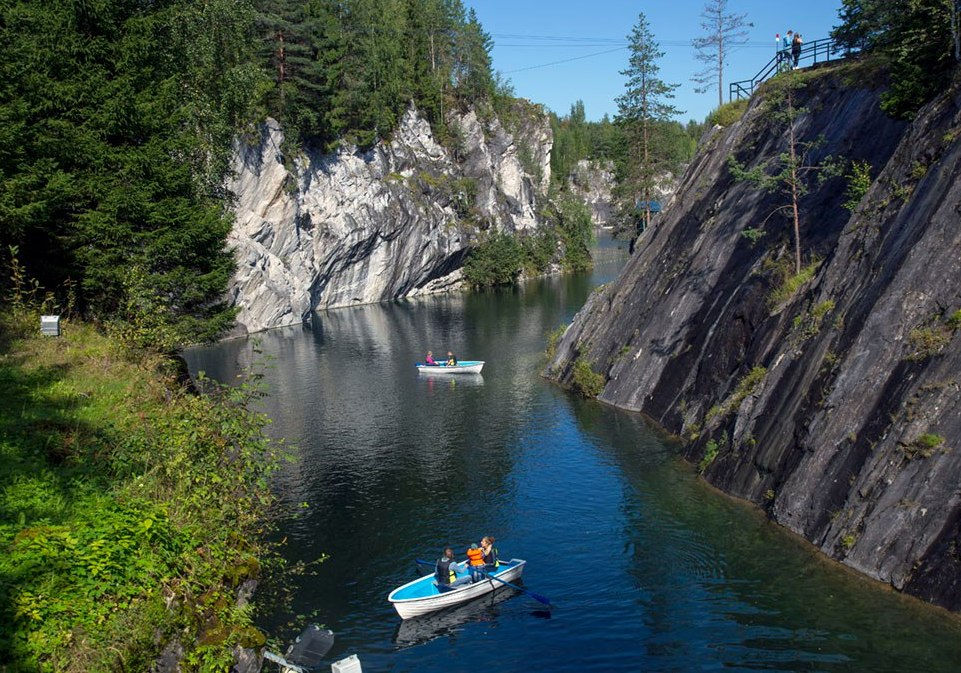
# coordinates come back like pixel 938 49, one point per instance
pixel 462 367
pixel 423 594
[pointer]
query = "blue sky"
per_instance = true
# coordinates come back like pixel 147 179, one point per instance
pixel 582 27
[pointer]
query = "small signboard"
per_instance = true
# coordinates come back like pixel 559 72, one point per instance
pixel 50 325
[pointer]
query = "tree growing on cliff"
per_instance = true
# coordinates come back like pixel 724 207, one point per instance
pixel 644 103
pixel 723 30
pixel 791 171
pixel 919 39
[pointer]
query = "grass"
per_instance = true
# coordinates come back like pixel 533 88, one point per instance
pixel 790 283
pixel 130 508
pixel 727 114
pixel 748 384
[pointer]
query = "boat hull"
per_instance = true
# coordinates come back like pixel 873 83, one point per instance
pixel 465 367
pixel 421 605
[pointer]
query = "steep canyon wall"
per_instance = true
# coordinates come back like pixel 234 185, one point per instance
pixel 328 230
pixel 836 406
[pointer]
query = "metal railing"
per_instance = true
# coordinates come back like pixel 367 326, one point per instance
pixel 812 53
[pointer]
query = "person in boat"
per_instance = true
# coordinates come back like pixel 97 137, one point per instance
pixel 475 563
pixel 490 554
pixel 444 574
pixel 429 360
pixel 451 360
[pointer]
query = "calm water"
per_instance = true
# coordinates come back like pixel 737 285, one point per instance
pixel 648 568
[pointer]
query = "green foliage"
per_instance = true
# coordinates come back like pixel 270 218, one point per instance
pixel 748 384
pixel 923 446
pixel 576 232
pixel 344 72
pixel 915 37
pixel 859 181
pixel 927 342
pixel 131 510
pixel 643 108
pixel 584 380
pixel 710 453
pixel 787 284
pixel 753 234
pixel 953 321
pixel 848 540
pixel 727 114
pixel 553 339
pixel 496 261
pixel 117 122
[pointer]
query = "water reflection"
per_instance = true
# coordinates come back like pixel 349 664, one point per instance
pixel 421 630
pixel 648 568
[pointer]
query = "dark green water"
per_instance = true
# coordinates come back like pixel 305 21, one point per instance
pixel 649 569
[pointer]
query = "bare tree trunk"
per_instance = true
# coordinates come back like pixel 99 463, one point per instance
pixel 792 149
pixel 646 174
pixel 720 67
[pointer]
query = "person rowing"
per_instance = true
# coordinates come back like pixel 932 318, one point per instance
pixel 445 574
pixel 429 360
pixel 451 360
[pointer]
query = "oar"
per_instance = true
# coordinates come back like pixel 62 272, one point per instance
pixel 533 594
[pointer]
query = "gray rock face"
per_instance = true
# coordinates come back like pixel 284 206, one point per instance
pixel 849 429
pixel 593 182
pixel 362 227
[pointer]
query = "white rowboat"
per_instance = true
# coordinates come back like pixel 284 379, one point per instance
pixel 462 367
pixel 423 595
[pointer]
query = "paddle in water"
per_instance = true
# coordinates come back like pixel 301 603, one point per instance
pixel 533 594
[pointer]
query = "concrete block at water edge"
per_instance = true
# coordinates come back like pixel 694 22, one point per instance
pixel 349 664
pixel 50 325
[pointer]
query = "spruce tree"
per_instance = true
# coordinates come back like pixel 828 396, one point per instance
pixel 644 103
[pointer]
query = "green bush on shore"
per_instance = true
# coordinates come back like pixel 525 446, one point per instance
pixel 131 508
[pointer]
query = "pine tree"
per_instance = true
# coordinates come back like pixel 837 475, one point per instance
pixel 645 102
pixel 723 31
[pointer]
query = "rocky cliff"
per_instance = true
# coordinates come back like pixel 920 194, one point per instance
pixel 593 181
pixel 328 230
pixel 833 398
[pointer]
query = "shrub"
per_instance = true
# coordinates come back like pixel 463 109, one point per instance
pixel 923 446
pixel 496 261
pixel 927 342
pixel 859 181
pixel 710 453
pixel 132 508
pixel 576 231
pixel 584 380
pixel 553 339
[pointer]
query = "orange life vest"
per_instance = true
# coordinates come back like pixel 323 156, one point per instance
pixel 476 557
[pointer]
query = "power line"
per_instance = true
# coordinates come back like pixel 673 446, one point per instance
pixel 566 60
pixel 545 40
